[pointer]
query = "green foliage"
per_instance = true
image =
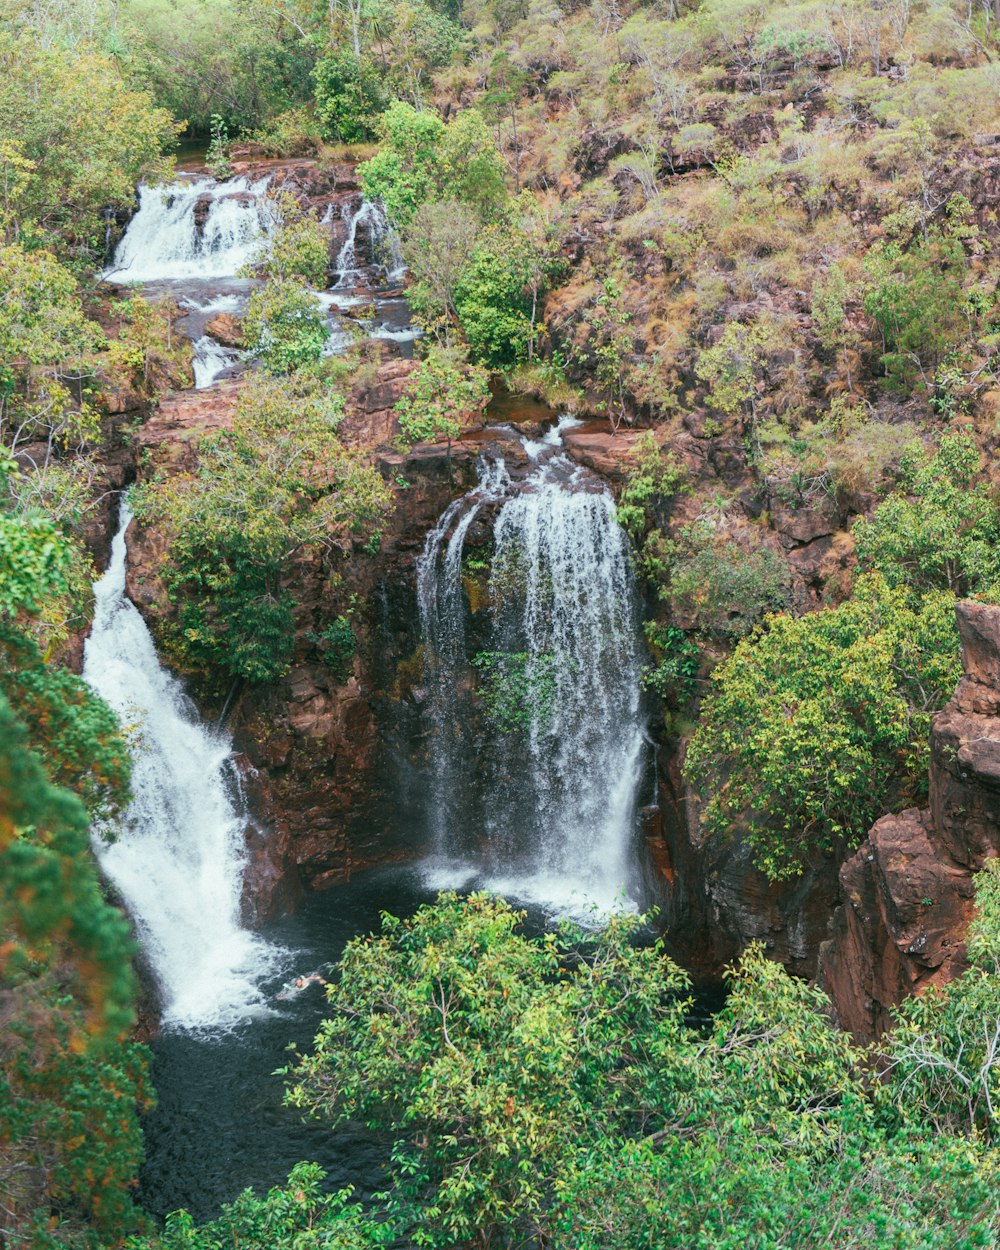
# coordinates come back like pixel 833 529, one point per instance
pixel 491 1055
pixel 284 326
pixel 217 158
pixel 47 352
pixel 653 481
pixel 610 345
pixel 678 661
pixel 69 1138
pixel 80 137
pixel 420 158
pixel 916 300
pixel 519 690
pixel 339 644
pixel 298 1214
pixel 944 1049
pixel 547 1090
pixel 721 588
pixel 351 95
pixel 492 300
pixel 941 529
pixel 298 250
pixel 818 724
pixel 443 395
pixel 280 481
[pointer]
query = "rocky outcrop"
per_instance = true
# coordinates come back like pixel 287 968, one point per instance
pixel 712 899
pixel 907 893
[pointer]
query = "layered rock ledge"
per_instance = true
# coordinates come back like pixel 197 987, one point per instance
pixel 907 893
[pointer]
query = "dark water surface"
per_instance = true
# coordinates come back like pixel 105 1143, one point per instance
pixel 219 1125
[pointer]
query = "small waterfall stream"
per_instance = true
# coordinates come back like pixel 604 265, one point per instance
pixel 165 240
pixel 178 858
pixel 541 807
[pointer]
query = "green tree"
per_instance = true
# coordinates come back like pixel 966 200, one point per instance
pixel 817 724
pixel 298 1214
pixel 915 297
pixel 84 137
pixel 941 529
pixel 351 95
pixel 491 1055
pixel 284 326
pixel 420 158
pixel 442 396
pixel 279 482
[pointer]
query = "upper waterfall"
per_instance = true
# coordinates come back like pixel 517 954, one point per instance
pixel 178 860
pixel 197 228
pixel 542 805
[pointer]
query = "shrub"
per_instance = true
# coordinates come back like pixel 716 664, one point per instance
pixel 819 723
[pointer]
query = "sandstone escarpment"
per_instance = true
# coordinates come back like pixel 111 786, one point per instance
pixel 907 893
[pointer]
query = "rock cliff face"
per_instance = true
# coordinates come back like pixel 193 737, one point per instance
pixel 713 901
pixel 907 894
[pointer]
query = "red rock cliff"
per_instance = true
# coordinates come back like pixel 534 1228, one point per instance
pixel 907 894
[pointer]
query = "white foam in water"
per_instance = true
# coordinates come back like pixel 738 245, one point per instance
pixel 217 304
pixel 558 803
pixel 178 860
pixel 211 359
pixel 163 242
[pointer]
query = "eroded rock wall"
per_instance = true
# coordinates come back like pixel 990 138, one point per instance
pixel 907 893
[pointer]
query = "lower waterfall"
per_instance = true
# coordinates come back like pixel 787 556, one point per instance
pixel 178 858
pixel 539 801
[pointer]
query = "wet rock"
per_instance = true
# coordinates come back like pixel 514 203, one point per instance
pixel 227 330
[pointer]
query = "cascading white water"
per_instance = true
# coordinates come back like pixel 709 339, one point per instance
pixel 163 240
pixel 383 239
pixel 210 360
pixel 179 857
pixel 555 813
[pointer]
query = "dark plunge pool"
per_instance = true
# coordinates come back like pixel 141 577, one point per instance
pixel 219 1125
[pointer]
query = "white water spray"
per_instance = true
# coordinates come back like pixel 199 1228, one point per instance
pixel 384 244
pixel 556 816
pixel 164 241
pixel 178 861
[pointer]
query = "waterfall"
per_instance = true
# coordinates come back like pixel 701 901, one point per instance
pixel 383 242
pixel 171 238
pixel 543 803
pixel 178 858
pixel 210 359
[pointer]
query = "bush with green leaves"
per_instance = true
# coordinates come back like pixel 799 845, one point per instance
pixel 941 529
pixel 422 158
pixel 492 1056
pixel 916 299
pixel 443 395
pixel 351 95
pixel 279 482
pixel 70 1082
pixel 721 588
pixel 299 1214
pixel 546 1089
pixel 284 326
pixel 817 724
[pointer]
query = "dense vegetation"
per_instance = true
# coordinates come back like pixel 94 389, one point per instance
pixel 550 1091
pixel 763 231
